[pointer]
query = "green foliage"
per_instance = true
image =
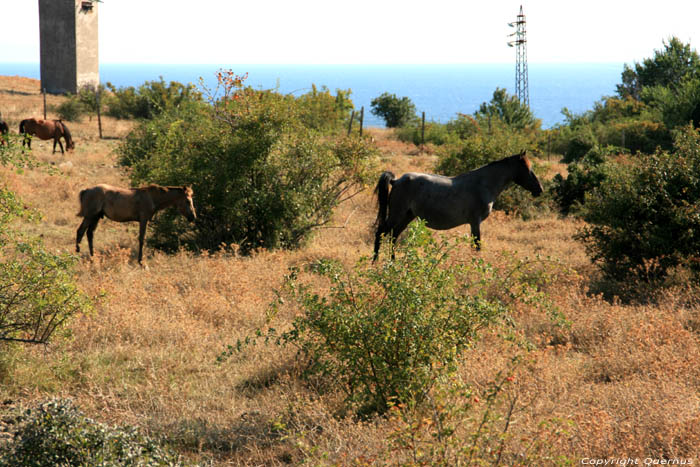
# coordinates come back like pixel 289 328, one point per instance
pixel 396 112
pixel 320 110
pixel 37 292
pixel 435 133
pixel 675 105
pixel 56 433
pixel 37 289
pixel 644 220
pixel 149 100
pixel 668 68
pixel 71 109
pixel 583 176
pixel 480 148
pixel 508 110
pixel 386 332
pixel 261 178
pixel 89 97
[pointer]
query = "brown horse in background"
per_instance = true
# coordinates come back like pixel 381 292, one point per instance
pixel 130 205
pixel 46 129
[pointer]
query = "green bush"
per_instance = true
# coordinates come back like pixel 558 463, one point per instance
pixel 435 133
pixel 385 332
pixel 583 176
pixel 261 178
pixel 71 109
pixel 56 433
pixel 37 289
pixel 396 112
pixel 149 100
pixel 507 109
pixel 644 220
pixel 320 110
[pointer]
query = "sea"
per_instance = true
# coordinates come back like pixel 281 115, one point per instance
pixel 441 91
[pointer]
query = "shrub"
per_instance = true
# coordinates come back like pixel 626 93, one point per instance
pixel 71 109
pixel 320 110
pixel 396 112
pixel 509 110
pixel 435 133
pixel 149 100
pixel 261 178
pixel 37 289
pixel 644 221
pixel 583 176
pixel 56 433
pixel 385 332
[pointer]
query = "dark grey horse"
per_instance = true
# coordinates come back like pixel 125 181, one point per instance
pixel 447 202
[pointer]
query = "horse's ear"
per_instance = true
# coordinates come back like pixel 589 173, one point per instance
pixel 523 153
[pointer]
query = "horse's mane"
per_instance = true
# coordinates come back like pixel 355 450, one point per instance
pixel 153 186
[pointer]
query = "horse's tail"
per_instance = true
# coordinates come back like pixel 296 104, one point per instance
pixel 83 207
pixel 66 135
pixel 21 126
pixel 382 191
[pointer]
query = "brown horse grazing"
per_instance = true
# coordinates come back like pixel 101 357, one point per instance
pixel 130 205
pixel 46 129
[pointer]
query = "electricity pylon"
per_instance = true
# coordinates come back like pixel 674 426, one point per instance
pixel 520 43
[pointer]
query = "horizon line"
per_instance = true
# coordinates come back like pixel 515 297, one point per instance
pixel 333 64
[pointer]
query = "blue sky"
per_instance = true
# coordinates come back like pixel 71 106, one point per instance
pixel 365 31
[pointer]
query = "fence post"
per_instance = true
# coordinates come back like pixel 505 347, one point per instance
pixel 44 93
pixel 422 130
pixel 98 94
pixel 362 119
pixel 352 117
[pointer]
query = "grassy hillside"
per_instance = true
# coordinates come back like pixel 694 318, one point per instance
pixel 623 380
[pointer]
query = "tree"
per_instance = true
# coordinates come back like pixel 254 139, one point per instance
pixel 668 67
pixel 508 109
pixel 395 112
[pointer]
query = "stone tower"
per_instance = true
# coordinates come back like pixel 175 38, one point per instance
pixel 68 30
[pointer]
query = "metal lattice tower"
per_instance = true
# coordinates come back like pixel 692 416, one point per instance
pixel 520 44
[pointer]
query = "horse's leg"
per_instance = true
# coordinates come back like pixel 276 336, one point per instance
pixel 398 228
pixel 81 231
pixel 476 233
pixel 381 230
pixel 60 145
pixel 142 235
pixel 91 232
pixel 394 229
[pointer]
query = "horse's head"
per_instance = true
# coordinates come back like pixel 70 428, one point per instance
pixel 525 177
pixel 185 204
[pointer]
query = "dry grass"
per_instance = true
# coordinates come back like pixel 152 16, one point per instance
pixel 627 376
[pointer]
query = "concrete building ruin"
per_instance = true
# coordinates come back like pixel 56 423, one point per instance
pixel 68 30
